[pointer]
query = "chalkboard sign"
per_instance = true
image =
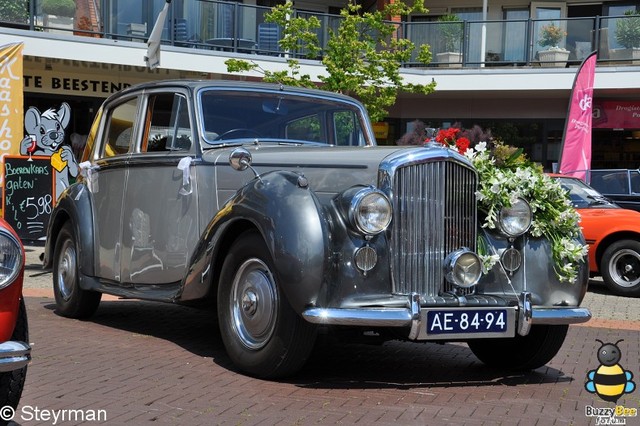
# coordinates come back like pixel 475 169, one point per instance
pixel 29 185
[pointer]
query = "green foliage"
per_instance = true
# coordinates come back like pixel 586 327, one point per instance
pixel 362 56
pixel 551 35
pixel 628 29
pixel 59 7
pixel 450 30
pixel 14 11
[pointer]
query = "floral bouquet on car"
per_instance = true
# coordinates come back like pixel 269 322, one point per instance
pixel 505 174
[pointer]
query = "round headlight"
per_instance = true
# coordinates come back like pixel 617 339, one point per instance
pixel 515 220
pixel 463 268
pixel 370 211
pixel 10 259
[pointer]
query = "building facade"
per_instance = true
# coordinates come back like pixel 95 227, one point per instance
pixel 499 79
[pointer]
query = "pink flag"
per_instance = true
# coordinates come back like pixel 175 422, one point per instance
pixel 575 155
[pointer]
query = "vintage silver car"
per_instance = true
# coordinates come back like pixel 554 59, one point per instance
pixel 275 206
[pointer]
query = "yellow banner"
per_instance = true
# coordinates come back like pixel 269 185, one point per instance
pixel 11 99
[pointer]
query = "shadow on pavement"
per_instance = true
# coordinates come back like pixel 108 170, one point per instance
pixel 395 364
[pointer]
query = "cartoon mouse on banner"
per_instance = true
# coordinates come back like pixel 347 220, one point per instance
pixel 45 137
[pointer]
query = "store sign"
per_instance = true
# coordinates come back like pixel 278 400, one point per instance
pixel 616 115
pixel 67 77
pixel 80 86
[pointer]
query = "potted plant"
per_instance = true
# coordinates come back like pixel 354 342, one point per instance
pixel 627 34
pixel 450 28
pixel 550 37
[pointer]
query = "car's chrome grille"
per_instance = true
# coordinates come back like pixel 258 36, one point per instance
pixel 434 214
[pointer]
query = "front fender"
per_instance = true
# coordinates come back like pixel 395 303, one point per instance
pixel 74 204
pixel 537 274
pixel 290 219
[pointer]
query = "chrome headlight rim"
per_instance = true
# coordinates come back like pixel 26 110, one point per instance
pixel 13 271
pixel 360 220
pixel 515 220
pixel 453 264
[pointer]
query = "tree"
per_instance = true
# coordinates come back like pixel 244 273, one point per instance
pixel 14 11
pixel 362 56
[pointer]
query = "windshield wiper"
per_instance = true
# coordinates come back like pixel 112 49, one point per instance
pixel 598 200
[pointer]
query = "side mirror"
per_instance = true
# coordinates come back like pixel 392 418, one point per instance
pixel 240 159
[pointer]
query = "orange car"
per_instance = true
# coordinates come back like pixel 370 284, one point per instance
pixel 613 236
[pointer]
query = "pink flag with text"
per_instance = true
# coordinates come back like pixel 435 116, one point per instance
pixel 575 155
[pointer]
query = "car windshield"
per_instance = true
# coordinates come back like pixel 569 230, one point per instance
pixel 281 117
pixel 581 194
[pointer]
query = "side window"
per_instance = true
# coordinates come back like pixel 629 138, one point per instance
pixel 635 181
pixel 120 128
pixel 169 128
pixel 348 131
pixel 305 129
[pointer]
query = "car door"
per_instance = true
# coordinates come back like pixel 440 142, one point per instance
pixel 159 223
pixel 107 185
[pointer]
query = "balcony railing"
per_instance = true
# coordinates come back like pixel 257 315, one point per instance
pixel 236 27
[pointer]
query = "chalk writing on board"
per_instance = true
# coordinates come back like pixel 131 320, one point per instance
pixel 28 194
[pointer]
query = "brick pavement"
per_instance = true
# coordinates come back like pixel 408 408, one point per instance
pixel 145 362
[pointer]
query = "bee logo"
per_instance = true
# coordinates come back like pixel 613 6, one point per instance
pixel 609 381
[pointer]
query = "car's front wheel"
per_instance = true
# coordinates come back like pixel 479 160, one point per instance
pixel 12 382
pixel 620 267
pixel 71 300
pixel 521 352
pixel 262 334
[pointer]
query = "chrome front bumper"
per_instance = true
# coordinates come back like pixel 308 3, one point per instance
pixel 14 355
pixel 414 317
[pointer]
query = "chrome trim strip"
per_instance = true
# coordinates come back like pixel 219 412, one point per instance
pixel 558 316
pixel 378 317
pixel 14 355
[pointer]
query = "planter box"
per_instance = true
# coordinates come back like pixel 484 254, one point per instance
pixel 629 56
pixel 553 58
pixel 58 24
pixel 449 59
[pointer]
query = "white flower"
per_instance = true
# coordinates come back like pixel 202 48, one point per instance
pixel 553 215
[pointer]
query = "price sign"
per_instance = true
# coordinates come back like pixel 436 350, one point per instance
pixel 27 202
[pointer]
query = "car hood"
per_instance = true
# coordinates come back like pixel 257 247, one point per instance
pixel 598 222
pixel 328 169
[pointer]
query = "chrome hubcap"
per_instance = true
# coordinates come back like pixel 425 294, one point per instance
pixel 67 270
pixel 253 303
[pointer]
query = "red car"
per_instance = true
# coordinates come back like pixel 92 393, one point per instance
pixel 15 352
pixel 613 236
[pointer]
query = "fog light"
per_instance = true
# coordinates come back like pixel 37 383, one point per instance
pixel 463 268
pixel 366 258
pixel 511 259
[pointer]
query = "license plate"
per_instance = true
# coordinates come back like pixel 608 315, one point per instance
pixel 467 321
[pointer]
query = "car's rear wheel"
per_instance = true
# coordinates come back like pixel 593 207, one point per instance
pixel 71 300
pixel 521 352
pixel 12 382
pixel 262 334
pixel 620 267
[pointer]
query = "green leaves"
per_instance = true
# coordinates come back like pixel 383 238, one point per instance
pixel 362 55
pixel 628 30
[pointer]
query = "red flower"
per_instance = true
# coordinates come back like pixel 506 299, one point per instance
pixel 463 144
pixel 449 138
